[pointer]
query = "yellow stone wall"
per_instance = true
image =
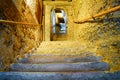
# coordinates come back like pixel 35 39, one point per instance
pixel 102 36
pixel 15 40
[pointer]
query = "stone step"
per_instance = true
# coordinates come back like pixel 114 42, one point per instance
pixel 60 47
pixel 60 67
pixel 52 75
pixel 62 50
pixel 59 76
pixel 36 59
pixel 64 53
pixel 60 44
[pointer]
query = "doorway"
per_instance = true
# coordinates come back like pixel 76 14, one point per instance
pixel 58 21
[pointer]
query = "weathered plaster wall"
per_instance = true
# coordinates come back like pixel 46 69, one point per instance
pixel 102 36
pixel 16 40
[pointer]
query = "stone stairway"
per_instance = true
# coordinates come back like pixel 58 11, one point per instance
pixel 57 60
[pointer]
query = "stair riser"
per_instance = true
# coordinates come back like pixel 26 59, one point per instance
pixel 61 67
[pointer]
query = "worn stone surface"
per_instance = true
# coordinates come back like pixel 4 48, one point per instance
pixel 50 76
pixel 60 67
pixel 59 76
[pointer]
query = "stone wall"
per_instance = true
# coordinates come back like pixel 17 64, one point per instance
pixel 16 40
pixel 103 34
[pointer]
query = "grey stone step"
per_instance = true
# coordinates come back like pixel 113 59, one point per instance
pixel 59 76
pixel 60 67
pixel 51 75
pixel 58 59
